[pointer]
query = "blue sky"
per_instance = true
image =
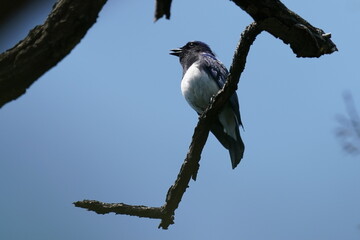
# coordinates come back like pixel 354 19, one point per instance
pixel 109 123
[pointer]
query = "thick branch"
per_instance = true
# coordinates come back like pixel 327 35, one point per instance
pixel 45 46
pixel 191 164
pixel 275 18
pixel 305 40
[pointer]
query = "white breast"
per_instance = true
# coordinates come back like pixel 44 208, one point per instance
pixel 198 88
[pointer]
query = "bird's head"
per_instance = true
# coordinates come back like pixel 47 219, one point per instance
pixel 191 48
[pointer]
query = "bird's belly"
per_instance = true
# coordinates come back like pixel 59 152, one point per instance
pixel 198 88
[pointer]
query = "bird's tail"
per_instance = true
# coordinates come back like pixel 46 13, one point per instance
pixel 236 147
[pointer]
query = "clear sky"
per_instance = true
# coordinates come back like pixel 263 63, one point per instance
pixel 109 123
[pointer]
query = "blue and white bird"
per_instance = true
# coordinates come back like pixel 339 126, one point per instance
pixel 203 76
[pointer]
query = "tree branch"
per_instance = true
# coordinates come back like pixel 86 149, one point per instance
pixel 45 46
pixel 275 18
pixel 69 21
pixel 305 40
pixel 120 208
pixel 191 164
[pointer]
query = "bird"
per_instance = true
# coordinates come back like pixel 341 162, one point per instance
pixel 203 76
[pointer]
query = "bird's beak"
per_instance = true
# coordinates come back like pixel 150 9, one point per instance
pixel 176 52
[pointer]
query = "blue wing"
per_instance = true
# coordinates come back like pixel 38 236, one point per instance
pixel 219 73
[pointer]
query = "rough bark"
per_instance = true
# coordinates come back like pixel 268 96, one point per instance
pixel 305 40
pixel 45 46
pixel 120 208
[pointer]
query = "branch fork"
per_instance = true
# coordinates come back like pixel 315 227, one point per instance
pixel 48 44
pixel 190 166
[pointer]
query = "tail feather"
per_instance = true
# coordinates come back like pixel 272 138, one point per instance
pixel 236 151
pixel 218 131
pixel 236 147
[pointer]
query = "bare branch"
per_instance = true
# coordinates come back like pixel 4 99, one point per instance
pixel 120 208
pixel 191 164
pixel 305 40
pixel 45 46
pixel 275 18
pixel 272 16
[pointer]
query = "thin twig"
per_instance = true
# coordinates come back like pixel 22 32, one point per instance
pixel 349 130
pixel 121 208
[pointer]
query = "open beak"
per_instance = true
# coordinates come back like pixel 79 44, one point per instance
pixel 176 52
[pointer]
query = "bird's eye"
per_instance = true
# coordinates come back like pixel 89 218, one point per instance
pixel 191 44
